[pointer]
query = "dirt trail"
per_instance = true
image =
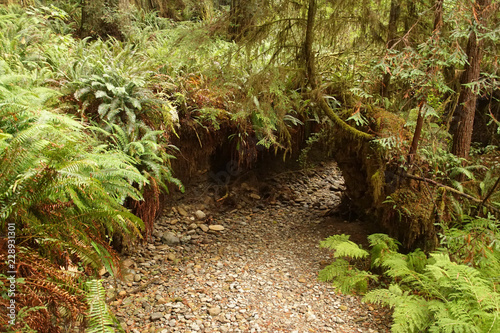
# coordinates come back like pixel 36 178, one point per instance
pixel 246 263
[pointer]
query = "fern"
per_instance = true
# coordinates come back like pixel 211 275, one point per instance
pixel 52 176
pixel 411 312
pixel 344 275
pixel 343 247
pixel 446 297
pixel 427 294
pixel 100 319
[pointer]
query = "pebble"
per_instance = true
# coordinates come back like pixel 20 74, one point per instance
pixel 200 215
pixel 170 238
pixel 216 227
pixel 156 316
pixel 182 211
pixel 215 311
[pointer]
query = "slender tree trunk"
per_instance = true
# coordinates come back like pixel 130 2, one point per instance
pixel 416 134
pixel 241 18
pixel 467 100
pixel 307 51
pixel 438 16
pixel 392 32
pixel 438 22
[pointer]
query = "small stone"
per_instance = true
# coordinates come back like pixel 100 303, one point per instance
pixel 254 196
pixel 110 293
pixel 214 311
pixel 302 280
pixel 128 301
pixel 127 263
pixel 122 293
pixel 156 316
pixel 137 277
pixel 310 316
pixel 185 239
pixel 182 211
pixel 216 227
pixel 204 227
pixel 200 215
pixel 171 256
pixel 169 238
pixel 193 226
pixel 343 307
pixel 103 271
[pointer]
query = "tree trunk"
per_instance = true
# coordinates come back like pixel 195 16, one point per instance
pixel 438 22
pixel 392 31
pixel 307 50
pixel 416 134
pixel 467 100
pixel 241 18
pixel 100 19
pixel 438 16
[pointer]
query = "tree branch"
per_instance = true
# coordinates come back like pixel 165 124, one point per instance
pixel 451 189
pixel 319 98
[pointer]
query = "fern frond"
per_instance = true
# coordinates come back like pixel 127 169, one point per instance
pixel 411 312
pixel 99 318
pixel 346 277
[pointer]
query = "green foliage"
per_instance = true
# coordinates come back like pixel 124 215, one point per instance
pixel 346 277
pixel 343 247
pixel 53 175
pixel 446 297
pixel 100 318
pixel 455 289
pixel 475 242
pixel 341 272
pixel 147 155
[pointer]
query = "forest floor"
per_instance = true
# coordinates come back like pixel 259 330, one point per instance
pixel 245 258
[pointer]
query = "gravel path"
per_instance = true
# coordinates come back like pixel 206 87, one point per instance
pixel 247 263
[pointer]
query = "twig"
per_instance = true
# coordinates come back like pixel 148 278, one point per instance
pixel 451 189
pixel 483 203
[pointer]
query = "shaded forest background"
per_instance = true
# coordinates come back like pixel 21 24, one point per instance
pixel 107 106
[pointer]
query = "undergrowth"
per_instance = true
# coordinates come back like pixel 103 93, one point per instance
pixel 453 289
